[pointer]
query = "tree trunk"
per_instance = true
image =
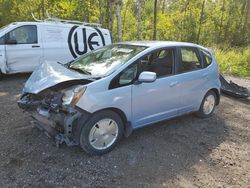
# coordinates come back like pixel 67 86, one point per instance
pixel 124 17
pixel 163 6
pixel 201 19
pixel 43 10
pixel 221 19
pixel 100 11
pixel 246 16
pixel 118 20
pixel 139 18
pixel 155 19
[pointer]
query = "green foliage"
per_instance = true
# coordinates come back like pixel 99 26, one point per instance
pixel 234 61
pixel 207 22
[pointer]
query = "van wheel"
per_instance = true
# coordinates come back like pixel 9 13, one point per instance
pixel 101 133
pixel 207 105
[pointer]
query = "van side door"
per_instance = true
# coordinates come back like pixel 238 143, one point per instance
pixel 23 48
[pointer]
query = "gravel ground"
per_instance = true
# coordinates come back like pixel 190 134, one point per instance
pixel 183 152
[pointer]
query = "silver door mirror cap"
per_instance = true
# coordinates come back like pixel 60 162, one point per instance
pixel 147 76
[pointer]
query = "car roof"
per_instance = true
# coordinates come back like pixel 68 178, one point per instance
pixel 160 43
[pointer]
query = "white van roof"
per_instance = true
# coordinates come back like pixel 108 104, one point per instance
pixel 53 23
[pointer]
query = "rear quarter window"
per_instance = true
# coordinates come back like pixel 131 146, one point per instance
pixel 207 58
pixel 190 60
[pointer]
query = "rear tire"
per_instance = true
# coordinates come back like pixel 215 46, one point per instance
pixel 101 133
pixel 207 105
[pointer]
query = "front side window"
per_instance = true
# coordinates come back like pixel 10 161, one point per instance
pixel 190 60
pixel 105 60
pixel 129 75
pixel 126 77
pixel 22 35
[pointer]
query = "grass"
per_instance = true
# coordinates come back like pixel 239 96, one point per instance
pixel 234 61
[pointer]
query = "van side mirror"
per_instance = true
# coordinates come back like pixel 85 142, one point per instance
pixel 147 77
pixel 11 41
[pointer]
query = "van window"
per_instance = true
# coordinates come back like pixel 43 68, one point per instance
pixel 207 59
pixel 190 60
pixel 23 35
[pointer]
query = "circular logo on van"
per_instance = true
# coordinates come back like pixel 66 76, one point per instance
pixel 81 40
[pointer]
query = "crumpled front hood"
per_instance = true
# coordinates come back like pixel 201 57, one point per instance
pixel 49 74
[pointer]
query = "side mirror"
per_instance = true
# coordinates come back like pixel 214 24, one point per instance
pixel 11 41
pixel 147 76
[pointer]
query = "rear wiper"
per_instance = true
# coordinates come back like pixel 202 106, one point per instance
pixel 80 70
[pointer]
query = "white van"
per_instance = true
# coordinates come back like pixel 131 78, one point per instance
pixel 25 45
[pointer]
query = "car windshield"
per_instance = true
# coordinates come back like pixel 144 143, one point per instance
pixel 105 60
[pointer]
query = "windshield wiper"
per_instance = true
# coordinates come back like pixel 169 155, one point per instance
pixel 80 70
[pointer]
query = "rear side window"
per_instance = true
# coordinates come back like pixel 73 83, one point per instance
pixel 207 59
pixel 190 60
pixel 23 35
pixel 160 62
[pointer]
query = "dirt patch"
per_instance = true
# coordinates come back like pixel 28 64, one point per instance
pixel 182 152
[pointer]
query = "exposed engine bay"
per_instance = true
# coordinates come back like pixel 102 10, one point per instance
pixel 54 110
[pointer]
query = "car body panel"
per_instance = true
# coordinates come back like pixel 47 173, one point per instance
pixel 49 74
pixel 97 97
pixel 159 100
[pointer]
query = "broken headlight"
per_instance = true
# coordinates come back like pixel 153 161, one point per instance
pixel 72 95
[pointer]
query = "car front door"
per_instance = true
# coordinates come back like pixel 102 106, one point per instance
pixel 192 79
pixel 159 100
pixel 23 49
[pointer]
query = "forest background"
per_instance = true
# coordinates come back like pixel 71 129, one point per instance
pixel 222 25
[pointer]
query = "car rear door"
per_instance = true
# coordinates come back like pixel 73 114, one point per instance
pixel 23 48
pixel 159 100
pixel 192 79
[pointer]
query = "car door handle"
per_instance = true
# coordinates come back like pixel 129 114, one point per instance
pixel 173 84
pixel 35 46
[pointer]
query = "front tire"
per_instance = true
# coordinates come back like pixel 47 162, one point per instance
pixel 207 105
pixel 101 133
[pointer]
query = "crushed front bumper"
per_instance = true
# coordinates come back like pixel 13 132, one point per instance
pixel 62 125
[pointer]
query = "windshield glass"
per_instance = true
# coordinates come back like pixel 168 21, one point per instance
pixel 105 60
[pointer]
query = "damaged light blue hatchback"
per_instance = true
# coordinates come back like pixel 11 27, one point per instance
pixel 105 94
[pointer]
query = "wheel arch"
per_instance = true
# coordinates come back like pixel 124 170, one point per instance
pixel 217 93
pixel 127 124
